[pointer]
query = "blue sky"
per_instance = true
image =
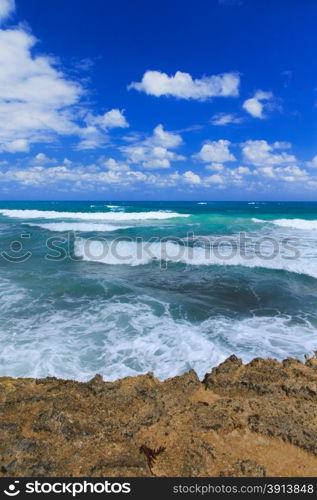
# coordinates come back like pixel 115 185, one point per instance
pixel 183 100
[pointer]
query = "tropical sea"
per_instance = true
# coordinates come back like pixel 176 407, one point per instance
pixel 124 288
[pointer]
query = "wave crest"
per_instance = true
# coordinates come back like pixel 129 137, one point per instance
pixel 293 223
pixel 122 252
pixel 111 216
pixel 84 227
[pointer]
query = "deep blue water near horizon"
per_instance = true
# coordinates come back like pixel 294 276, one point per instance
pixel 112 304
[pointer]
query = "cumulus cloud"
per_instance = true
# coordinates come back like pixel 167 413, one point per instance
pixel 215 151
pixel 272 163
pixel 281 145
pixel 290 173
pixel 16 146
pixel 214 179
pixel 184 86
pixel 225 119
pixel 91 138
pixel 94 134
pixel 36 96
pixel 166 139
pixel 7 7
pixel 112 119
pixel 243 171
pixel 191 178
pixel 78 178
pixel 218 167
pixel 155 151
pixel 43 159
pixel 108 174
pixel 257 104
pixel 262 154
pixel 41 101
pixel 114 165
pixel 312 163
pixel 229 177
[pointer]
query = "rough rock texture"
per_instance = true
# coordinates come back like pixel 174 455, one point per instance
pixel 258 419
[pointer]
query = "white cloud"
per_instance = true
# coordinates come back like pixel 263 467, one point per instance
pixel 115 165
pixel 91 138
pixel 268 172
pixel 150 157
pixel 33 93
pixel 229 177
pixel 292 173
pixel 77 178
pixel 215 151
pixel 225 119
pixel 183 86
pixel 42 102
pixel 191 178
pixel 32 79
pixel 16 146
pixel 109 174
pixel 289 173
pixel 154 152
pixel 312 163
pixel 42 159
pixel 7 7
pixel 112 119
pixel 257 104
pixel 243 171
pixel 281 145
pixel 94 135
pixel 218 167
pixel 262 154
pixel 273 163
pixel 214 179
pixel 166 139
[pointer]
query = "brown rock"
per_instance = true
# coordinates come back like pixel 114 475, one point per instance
pixel 242 420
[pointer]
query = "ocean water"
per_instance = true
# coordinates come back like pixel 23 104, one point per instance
pixel 125 288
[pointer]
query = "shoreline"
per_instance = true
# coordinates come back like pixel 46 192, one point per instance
pixel 255 419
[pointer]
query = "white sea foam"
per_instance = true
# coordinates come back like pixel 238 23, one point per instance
pixel 77 226
pixel 202 203
pixel 119 252
pixel 115 207
pixel 117 339
pixel 103 216
pixel 292 223
pixel 108 206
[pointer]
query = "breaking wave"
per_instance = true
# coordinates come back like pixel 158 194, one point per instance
pixel 84 227
pixel 293 223
pixel 111 216
pixel 121 252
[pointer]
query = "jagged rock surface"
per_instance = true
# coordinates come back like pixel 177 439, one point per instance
pixel 258 419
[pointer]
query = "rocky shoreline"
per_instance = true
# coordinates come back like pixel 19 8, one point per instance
pixel 255 419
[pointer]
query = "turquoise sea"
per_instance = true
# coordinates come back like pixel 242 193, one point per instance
pixel 123 288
